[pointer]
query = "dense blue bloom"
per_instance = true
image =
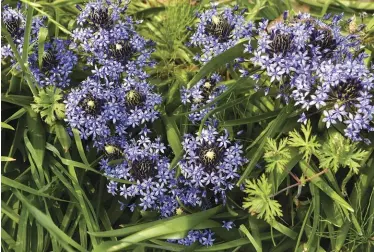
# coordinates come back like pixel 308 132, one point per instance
pixel 316 66
pixel 218 31
pixel 57 64
pixel 144 164
pixel 209 166
pixel 110 40
pixel 204 92
pixel 100 108
pixel 204 237
pixel 15 22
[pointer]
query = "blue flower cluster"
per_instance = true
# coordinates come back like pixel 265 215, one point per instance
pixel 204 237
pixel 218 31
pixel 312 63
pixel 57 64
pixel 109 39
pixel 15 22
pixel 204 92
pixel 144 164
pixel 100 108
pixel 210 167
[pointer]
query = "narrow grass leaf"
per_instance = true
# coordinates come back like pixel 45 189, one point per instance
pixel 47 223
pixel 250 238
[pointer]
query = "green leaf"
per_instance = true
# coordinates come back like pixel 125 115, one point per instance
pixel 6 126
pixel 49 104
pixel 48 224
pixel 7 159
pixel 178 224
pixel 63 136
pixel 308 171
pixel 249 120
pixel 277 157
pixel 173 135
pixel 308 144
pixel 42 36
pixel 338 152
pixel 16 185
pixel 250 237
pixel 218 61
pixel 274 126
pixel 259 201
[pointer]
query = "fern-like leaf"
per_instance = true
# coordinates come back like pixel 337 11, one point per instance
pixel 259 201
pixel 338 152
pixel 307 145
pixel 48 104
pixel 276 157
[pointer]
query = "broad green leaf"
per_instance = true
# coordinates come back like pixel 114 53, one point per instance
pixel 218 61
pixel 178 224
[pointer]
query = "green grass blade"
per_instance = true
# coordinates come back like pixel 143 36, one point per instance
pixel 48 223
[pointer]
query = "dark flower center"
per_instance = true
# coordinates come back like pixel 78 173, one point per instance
pixel 210 156
pixel 347 91
pixel 133 98
pixel 100 18
pixel 219 28
pixel 122 51
pixel 13 26
pixel 281 43
pixel 92 105
pixel 143 169
pixel 324 39
pixel 49 61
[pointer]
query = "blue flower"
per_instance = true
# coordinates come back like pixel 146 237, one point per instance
pixel 15 21
pixel 228 224
pixel 314 64
pixel 204 237
pixel 209 166
pixel 109 37
pixel 99 108
pixel 218 31
pixel 56 66
pixel 204 92
pixel 143 164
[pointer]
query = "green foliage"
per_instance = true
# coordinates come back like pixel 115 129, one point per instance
pixel 307 144
pixel 49 104
pixel 338 152
pixel 259 201
pixel 276 156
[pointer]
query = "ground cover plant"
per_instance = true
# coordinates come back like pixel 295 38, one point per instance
pixel 178 125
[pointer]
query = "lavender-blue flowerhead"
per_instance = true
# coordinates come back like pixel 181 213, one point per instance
pixel 57 64
pixel 211 165
pixel 144 164
pixel 100 108
pixel 110 39
pixel 219 30
pixel 204 92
